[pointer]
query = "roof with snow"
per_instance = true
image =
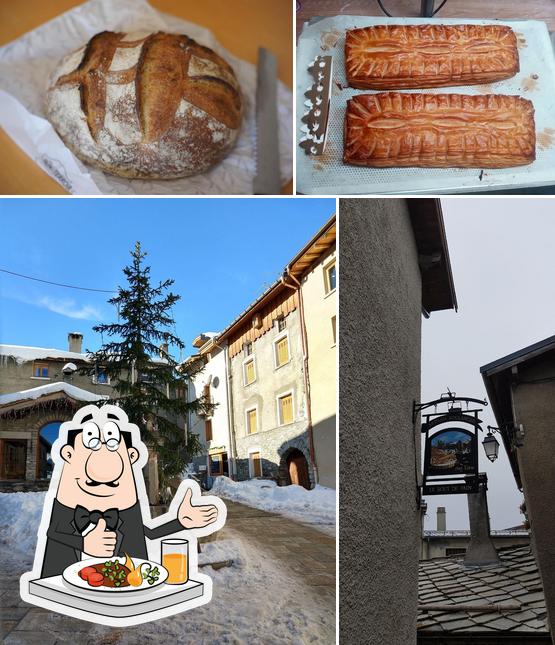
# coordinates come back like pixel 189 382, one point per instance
pixel 36 393
pixel 22 353
pixel 497 600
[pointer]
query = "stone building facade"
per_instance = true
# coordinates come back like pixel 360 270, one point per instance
pixel 264 430
pixel 39 387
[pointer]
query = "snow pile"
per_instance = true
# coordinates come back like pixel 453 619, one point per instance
pixel 315 507
pixel 21 514
pixel 36 392
pixel 22 353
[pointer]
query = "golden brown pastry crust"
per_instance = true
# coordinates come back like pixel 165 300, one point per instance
pixel 393 129
pixel 418 56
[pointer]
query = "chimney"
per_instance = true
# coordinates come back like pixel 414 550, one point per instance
pixel 75 341
pixel 480 552
pixel 164 347
pixel 441 519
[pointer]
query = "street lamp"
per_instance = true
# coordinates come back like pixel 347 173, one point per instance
pixel 491 445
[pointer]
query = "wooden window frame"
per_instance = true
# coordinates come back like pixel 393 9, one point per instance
pixel 41 364
pixel 247 424
pixel 327 283
pixel 208 424
pixel 334 330
pixel 280 396
pixel 281 324
pixel 278 339
pixel 248 348
pixel 249 359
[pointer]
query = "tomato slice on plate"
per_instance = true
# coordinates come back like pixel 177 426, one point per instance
pixel 95 579
pixel 86 572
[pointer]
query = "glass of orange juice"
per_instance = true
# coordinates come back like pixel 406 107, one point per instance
pixel 175 558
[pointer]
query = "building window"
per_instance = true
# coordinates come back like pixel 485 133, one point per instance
pixel 208 429
pixel 252 421
pixel 333 329
pixel 281 323
pixel 40 370
pixel 249 375
pixel 256 464
pixel 207 398
pixel 101 377
pixel 281 351
pixel 330 277
pixel 217 464
pixel 285 409
pixel 248 349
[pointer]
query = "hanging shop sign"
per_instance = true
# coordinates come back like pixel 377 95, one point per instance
pixel 451 451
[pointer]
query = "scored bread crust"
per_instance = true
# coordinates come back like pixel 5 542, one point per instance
pixel 394 129
pixel 418 56
pixel 153 106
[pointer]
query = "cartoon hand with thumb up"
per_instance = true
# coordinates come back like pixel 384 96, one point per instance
pixel 99 542
pixel 195 517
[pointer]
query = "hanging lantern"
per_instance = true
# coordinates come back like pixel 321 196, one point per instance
pixel 491 447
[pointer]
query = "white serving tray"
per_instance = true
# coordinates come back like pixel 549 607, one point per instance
pixel 115 606
pixel 328 175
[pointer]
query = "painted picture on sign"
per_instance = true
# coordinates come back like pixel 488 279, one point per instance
pixel 451 452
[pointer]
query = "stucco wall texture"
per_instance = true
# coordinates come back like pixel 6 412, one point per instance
pixel 379 378
pixel 534 408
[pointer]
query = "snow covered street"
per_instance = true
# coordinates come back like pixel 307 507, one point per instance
pixel 282 582
pixel 315 507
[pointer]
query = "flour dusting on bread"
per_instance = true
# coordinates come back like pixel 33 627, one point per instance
pixel 101 96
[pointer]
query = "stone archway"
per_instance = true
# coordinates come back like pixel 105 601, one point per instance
pixel 45 432
pixel 294 468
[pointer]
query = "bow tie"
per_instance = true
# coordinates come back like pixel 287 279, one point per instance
pixel 82 518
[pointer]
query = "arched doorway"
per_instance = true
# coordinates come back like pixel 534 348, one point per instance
pixel 47 436
pixel 297 469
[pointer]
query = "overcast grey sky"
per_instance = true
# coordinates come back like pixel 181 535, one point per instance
pixel 503 259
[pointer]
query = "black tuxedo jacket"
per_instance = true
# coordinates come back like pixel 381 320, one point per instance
pixel 64 544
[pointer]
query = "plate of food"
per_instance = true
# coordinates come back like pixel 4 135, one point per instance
pixel 115 575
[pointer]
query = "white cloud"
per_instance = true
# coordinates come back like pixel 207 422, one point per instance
pixel 69 308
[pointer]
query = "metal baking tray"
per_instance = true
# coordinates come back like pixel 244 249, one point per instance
pixel 328 175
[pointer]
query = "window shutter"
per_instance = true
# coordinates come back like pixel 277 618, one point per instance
pixel 283 351
pixel 249 367
pixel 251 415
pixel 208 429
pixel 286 406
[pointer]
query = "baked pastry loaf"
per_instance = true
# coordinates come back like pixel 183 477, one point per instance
pixel 151 106
pixel 415 56
pixel 392 129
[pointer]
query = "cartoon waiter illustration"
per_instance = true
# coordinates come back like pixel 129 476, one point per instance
pixel 97 506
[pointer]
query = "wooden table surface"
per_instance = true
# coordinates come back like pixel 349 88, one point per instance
pixel 501 9
pixel 241 26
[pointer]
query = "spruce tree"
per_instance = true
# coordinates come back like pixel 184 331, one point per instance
pixel 145 378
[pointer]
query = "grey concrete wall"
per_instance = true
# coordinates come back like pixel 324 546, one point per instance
pixel 534 407
pixel 379 378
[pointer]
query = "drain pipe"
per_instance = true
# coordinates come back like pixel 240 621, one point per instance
pixel 230 418
pixel 304 340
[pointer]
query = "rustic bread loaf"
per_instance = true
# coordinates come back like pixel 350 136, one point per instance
pixel 145 106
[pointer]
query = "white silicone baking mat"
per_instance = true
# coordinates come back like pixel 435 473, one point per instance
pixel 328 175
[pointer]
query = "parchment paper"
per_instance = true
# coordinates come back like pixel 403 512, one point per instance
pixel 328 175
pixel 27 63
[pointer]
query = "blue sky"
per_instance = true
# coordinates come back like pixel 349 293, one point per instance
pixel 222 253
